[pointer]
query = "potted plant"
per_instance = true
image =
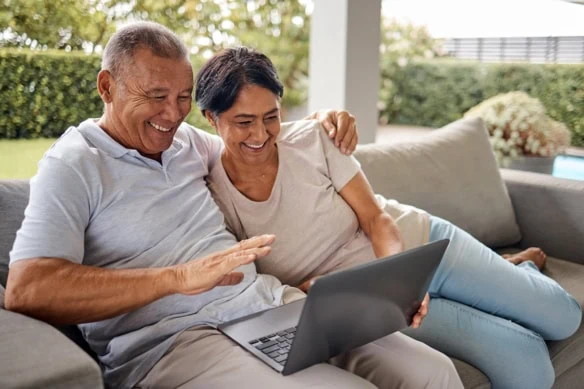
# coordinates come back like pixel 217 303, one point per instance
pixel 522 135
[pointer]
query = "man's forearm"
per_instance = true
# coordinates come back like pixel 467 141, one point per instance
pixel 62 292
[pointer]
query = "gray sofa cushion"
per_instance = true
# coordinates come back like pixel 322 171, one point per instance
pixel 49 360
pixel 13 201
pixel 470 376
pixel 569 353
pixel 450 173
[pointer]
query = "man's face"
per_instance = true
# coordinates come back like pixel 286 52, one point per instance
pixel 149 100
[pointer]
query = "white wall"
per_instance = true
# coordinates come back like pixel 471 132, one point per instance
pixel 344 60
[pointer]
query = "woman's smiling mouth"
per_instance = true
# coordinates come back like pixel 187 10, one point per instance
pixel 255 147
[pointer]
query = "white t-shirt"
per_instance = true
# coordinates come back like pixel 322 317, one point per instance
pixel 316 230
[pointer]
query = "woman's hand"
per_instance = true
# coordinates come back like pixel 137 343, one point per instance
pixel 340 126
pixel 422 312
pixel 307 284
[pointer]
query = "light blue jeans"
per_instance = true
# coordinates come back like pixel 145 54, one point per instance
pixel 493 314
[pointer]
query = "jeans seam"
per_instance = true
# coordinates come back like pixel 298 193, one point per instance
pixel 531 334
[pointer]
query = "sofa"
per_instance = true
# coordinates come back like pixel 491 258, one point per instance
pixel 451 173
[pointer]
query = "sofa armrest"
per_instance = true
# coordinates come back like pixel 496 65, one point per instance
pixel 549 212
pixel 33 354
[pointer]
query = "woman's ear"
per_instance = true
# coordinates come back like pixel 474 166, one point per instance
pixel 210 119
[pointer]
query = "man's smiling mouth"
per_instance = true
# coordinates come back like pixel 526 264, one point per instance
pixel 160 128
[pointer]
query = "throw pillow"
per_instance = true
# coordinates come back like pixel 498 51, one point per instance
pixel 450 173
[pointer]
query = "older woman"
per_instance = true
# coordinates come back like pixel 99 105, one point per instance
pixel 286 179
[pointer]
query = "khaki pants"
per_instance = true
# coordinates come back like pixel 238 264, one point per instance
pixel 204 358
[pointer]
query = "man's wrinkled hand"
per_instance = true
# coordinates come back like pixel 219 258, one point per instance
pixel 340 126
pixel 217 269
pixel 422 312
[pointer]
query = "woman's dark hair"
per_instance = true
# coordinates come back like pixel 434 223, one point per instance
pixel 223 76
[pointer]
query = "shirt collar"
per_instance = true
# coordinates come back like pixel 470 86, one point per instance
pixel 103 141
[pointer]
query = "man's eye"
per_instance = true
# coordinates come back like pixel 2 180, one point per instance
pixel 271 118
pixel 244 124
pixel 159 98
pixel 184 98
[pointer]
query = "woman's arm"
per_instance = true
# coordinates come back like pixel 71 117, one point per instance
pixel 378 225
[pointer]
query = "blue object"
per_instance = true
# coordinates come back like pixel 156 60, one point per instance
pixel 569 166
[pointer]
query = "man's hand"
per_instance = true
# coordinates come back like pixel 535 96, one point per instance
pixel 340 126
pixel 422 312
pixel 203 274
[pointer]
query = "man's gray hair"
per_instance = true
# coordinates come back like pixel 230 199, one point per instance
pixel 121 47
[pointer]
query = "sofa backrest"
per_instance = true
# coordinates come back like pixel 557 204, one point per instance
pixel 13 201
pixel 451 173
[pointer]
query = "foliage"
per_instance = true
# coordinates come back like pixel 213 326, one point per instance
pixel 400 45
pixel 59 24
pixel 278 28
pixel 41 94
pixel 519 125
pixel 434 93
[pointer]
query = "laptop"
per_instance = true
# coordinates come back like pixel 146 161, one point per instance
pixel 343 310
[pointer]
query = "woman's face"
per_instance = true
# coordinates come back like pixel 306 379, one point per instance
pixel 250 127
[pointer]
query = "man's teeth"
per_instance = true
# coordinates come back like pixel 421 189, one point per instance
pixel 159 128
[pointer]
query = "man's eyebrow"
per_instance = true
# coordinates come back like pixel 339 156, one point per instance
pixel 156 90
pixel 165 90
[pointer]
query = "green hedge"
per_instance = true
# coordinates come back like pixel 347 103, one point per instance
pixel 44 93
pixel 41 94
pixel 437 92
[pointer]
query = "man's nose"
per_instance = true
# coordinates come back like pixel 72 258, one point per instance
pixel 173 111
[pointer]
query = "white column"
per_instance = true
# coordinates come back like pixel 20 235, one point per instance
pixel 344 60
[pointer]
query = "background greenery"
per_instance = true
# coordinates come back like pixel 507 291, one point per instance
pixel 42 93
pixel 434 93
pixel 49 72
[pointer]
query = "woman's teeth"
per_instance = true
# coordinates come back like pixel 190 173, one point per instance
pixel 255 146
pixel 159 128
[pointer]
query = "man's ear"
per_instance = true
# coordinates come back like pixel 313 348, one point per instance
pixel 210 119
pixel 105 83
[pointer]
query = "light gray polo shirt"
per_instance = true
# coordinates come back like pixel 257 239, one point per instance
pixel 96 203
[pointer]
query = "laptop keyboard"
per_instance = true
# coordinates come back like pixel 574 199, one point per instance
pixel 276 345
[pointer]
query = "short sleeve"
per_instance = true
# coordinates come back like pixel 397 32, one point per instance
pixel 342 168
pixel 57 215
pixel 208 145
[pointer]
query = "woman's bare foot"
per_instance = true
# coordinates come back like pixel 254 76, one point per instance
pixel 534 254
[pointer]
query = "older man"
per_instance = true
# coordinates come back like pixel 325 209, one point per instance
pixel 118 212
